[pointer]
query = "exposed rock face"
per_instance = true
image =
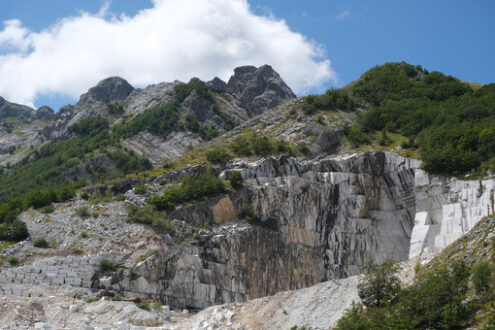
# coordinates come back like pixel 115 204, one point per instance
pixel 107 90
pixel 21 112
pixel 45 113
pixel 258 89
pixel 447 209
pixel 334 216
pixel 217 85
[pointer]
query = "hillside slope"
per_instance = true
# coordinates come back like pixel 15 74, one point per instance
pixel 278 193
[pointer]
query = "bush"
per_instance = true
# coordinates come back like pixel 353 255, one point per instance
pixel 13 231
pixel 149 215
pixel 13 260
pixel 41 242
pixel 115 109
pixel 482 277
pixel 107 265
pixel 84 234
pixel 189 189
pixel 218 156
pixel 140 189
pixel 116 297
pixel 145 305
pixel 82 211
pixel 92 300
pixel 380 285
pixel 47 209
pixel 333 99
pixel 235 179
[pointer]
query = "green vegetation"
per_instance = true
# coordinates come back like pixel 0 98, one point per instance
pixel 82 211
pixel 48 174
pixel 115 109
pixel 107 265
pixel 14 231
pixel 482 278
pixel 333 99
pixel 116 297
pixel 149 215
pixel 380 285
pixel 13 260
pixel 160 120
pixel 92 300
pixel 450 123
pixel 84 234
pixel 41 242
pixel 47 209
pixel 189 189
pixel 148 304
pixel 218 155
pixel 235 179
pixel 140 189
pixel 441 297
pixel 259 145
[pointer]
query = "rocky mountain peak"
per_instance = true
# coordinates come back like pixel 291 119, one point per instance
pixel 258 89
pixel 45 112
pixel 21 112
pixel 217 85
pixel 108 90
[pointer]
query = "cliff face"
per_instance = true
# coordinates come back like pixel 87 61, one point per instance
pixel 333 217
pixel 315 220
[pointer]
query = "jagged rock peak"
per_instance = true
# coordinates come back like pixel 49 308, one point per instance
pixel 217 85
pixel 108 90
pixel 21 112
pixel 258 89
pixel 45 112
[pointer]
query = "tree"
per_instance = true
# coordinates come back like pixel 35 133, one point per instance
pixel 482 277
pixel 235 179
pixel 380 284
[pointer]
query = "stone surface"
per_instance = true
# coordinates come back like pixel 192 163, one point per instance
pixel 258 89
pixel 108 90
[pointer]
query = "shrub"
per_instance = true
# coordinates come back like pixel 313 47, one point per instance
pixel 218 156
pixel 116 297
pixel 240 146
pixel 235 179
pixel 149 215
pixel 107 265
pixel 380 285
pixel 13 231
pixel 82 211
pixel 140 189
pixel 144 305
pixel 92 300
pixel 482 277
pixel 13 260
pixel 84 234
pixel 115 109
pixel 40 242
pixel 85 195
pixel 47 209
pixel 189 189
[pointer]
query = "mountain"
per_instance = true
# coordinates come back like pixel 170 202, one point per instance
pixel 205 193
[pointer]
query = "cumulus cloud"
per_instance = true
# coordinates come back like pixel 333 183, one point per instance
pixel 175 39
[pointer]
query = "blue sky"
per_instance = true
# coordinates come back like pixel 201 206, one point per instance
pixel 454 37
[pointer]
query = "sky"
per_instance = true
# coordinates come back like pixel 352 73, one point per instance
pixel 54 50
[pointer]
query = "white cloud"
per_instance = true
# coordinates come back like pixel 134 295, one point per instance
pixel 343 15
pixel 175 39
